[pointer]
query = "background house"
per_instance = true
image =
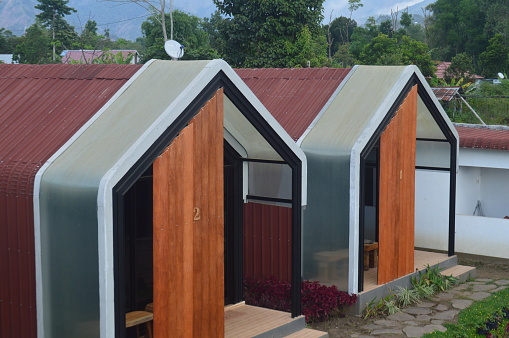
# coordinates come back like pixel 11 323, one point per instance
pixel 482 194
pixel 92 56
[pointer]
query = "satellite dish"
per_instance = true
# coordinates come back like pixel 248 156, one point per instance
pixel 174 49
pixel 500 75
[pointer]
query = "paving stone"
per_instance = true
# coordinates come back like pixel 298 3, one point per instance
pixel 400 316
pixel 437 321
pixel 425 304
pixel 356 335
pixel 413 331
pixel 417 310
pixel 386 331
pixel 465 294
pixel 479 295
pixel 385 322
pixel 441 307
pixel 461 303
pixel 445 295
pixel 483 279
pixel 423 318
pixel 500 288
pixel 502 282
pixel 410 322
pixel 446 315
pixel 372 327
pixel 475 283
pixel 462 287
pixel 486 287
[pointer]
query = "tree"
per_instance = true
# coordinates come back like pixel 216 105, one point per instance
pixel 34 46
pixel 457 26
pixel 384 50
pixel 188 30
pixel 264 33
pixel 495 58
pixel 461 67
pixel 7 41
pixel 339 35
pixel 52 14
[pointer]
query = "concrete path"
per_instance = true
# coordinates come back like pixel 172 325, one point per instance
pixel 430 315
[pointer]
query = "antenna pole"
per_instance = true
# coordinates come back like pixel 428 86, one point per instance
pixel 171 19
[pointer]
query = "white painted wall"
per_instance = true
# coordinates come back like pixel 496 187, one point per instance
pixel 468 189
pixel 431 209
pixel 495 192
pixel 484 236
pixel 486 158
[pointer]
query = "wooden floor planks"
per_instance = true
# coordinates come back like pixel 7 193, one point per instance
pixel 421 261
pixel 247 321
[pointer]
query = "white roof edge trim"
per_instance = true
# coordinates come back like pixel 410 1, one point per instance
pixel 326 106
pixel 114 175
pixel 355 155
pixel 257 104
pixel 37 190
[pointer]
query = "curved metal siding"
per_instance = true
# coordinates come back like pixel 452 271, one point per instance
pixel 267 241
pixel 42 106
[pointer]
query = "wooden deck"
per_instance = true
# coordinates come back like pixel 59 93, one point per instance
pixel 421 261
pixel 241 320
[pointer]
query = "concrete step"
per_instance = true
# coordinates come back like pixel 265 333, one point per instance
pixel 308 333
pixel 462 272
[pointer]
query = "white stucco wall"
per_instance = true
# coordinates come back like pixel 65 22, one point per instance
pixel 431 209
pixel 495 192
pixel 468 189
pixel 484 236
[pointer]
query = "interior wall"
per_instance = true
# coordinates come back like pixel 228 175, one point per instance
pixel 432 209
pixel 468 189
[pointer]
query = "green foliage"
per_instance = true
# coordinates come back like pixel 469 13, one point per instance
pixel 384 50
pixel 477 315
pixel 425 285
pixel 52 16
pixel 406 297
pixel 495 58
pixel 265 33
pixel 457 26
pixel 187 29
pixel 341 30
pixel 34 46
pixel 7 41
pixel 434 279
pixel 490 101
pixel 461 67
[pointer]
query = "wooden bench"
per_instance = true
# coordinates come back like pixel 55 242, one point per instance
pixel 370 255
pixel 135 318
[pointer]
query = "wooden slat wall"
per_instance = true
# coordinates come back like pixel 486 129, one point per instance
pixel 267 241
pixel 189 243
pixel 397 193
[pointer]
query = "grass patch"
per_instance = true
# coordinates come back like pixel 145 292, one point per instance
pixel 488 317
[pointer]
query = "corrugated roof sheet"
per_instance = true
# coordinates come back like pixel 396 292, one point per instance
pixel 294 96
pixel 36 99
pixel 445 93
pixel 41 107
pixel 483 137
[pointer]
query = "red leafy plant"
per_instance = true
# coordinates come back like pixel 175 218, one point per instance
pixel 319 302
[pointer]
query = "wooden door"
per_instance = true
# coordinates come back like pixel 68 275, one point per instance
pixel 397 193
pixel 188 229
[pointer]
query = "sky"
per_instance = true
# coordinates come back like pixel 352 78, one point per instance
pixel 203 8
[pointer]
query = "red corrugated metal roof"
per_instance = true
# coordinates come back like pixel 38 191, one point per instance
pixel 41 107
pixel 293 96
pixel 484 137
pixel 445 93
